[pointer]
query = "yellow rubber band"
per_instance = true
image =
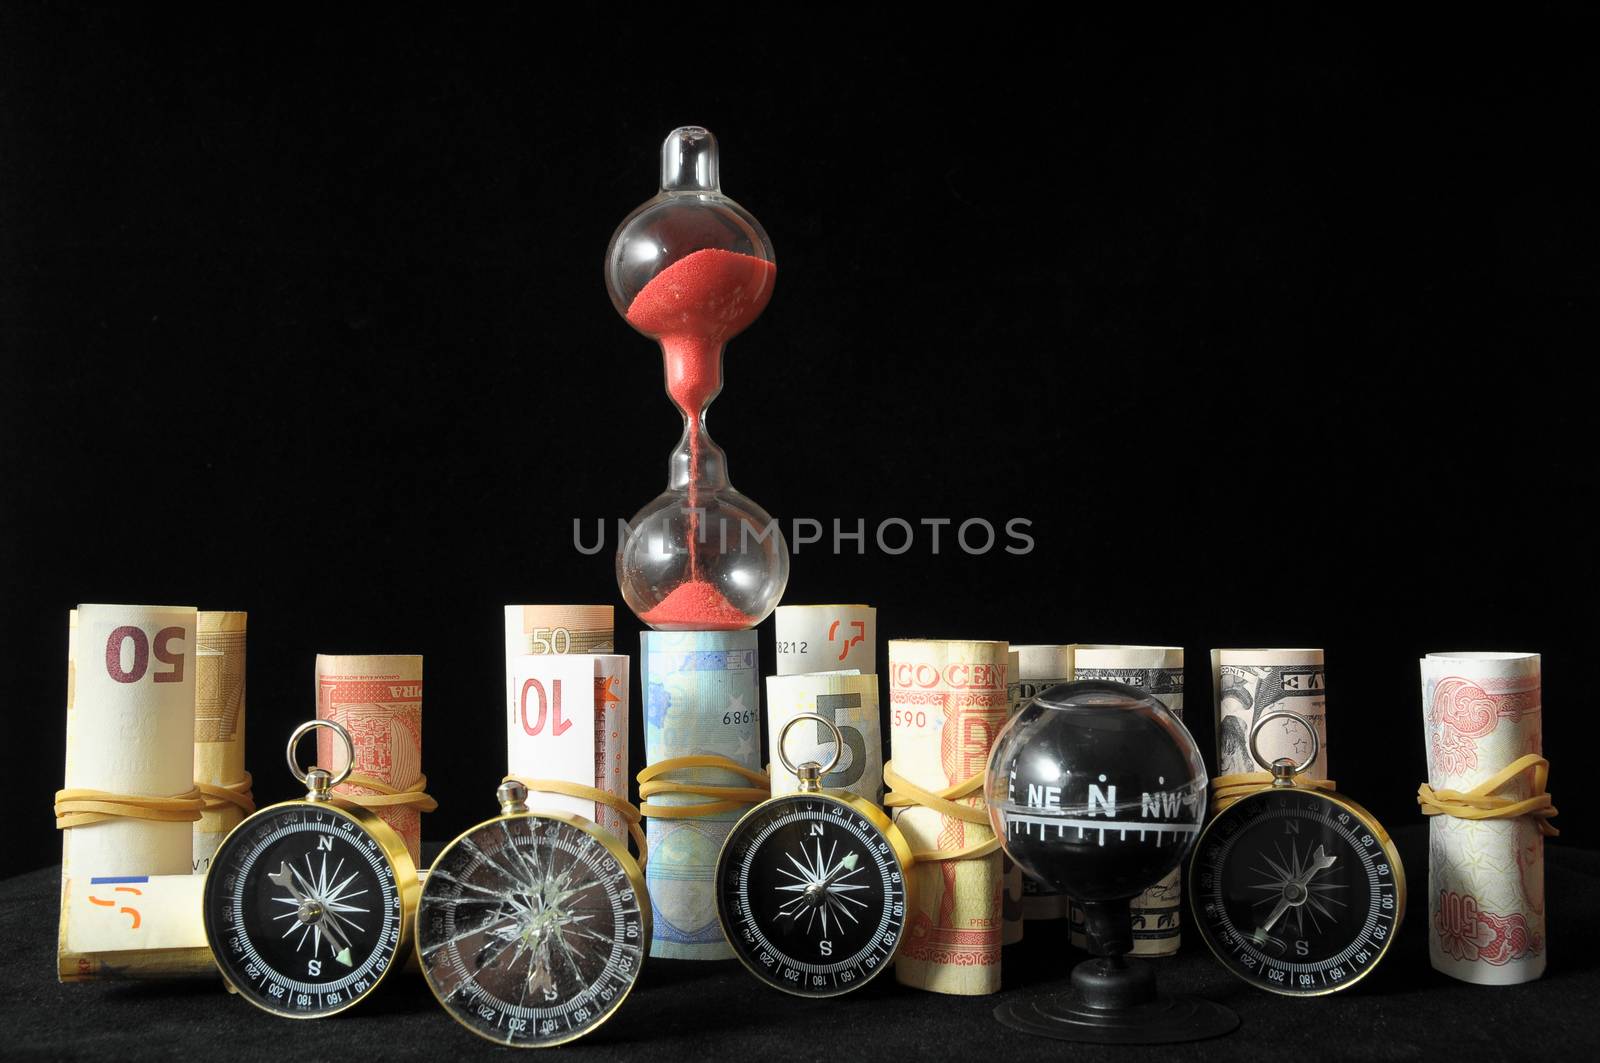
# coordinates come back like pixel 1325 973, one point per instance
pixel 83 808
pixel 903 793
pixel 1227 789
pixel 413 796
pixel 731 797
pixel 237 794
pixel 621 806
pixel 1480 802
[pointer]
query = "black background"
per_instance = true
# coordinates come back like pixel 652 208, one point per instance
pixel 1272 327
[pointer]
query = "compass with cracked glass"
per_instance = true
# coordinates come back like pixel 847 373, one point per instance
pixel 811 887
pixel 1296 890
pixel 533 926
pixel 307 904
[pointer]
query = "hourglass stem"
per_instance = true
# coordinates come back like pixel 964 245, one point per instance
pixel 694 377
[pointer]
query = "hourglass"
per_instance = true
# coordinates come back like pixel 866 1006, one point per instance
pixel 691 269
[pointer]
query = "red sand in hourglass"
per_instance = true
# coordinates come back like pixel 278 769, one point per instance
pixel 693 307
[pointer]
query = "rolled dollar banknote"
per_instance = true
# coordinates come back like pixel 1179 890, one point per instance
pixel 1157 671
pixel 1482 712
pixel 219 731
pixel 947 702
pixel 1040 667
pixel 700 697
pixel 570 723
pixel 848 699
pixel 378 700
pixel 1251 683
pixel 826 638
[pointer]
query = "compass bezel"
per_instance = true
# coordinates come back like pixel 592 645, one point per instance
pixel 1335 803
pixel 636 881
pixel 899 853
pixel 391 848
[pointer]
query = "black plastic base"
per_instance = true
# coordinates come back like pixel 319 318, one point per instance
pixel 1114 1003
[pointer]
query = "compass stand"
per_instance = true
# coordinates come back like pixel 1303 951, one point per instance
pixel 1113 1002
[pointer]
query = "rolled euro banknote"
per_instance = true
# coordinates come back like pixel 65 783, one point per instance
pixel 133 926
pixel 947 702
pixel 826 638
pixel 378 699
pixel 1040 667
pixel 542 629
pixel 219 729
pixel 130 731
pixel 700 696
pixel 850 701
pixel 1486 914
pixel 1157 671
pixel 1251 683
pixel 570 723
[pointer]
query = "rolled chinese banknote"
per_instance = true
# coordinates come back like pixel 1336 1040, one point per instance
pixel 130 733
pixel 378 699
pixel 570 723
pixel 947 702
pixel 1157 671
pixel 1040 667
pixel 850 701
pixel 219 730
pixel 700 697
pixel 1486 915
pixel 1251 683
pixel 826 638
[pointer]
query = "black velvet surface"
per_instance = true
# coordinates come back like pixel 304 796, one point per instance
pixel 683 1010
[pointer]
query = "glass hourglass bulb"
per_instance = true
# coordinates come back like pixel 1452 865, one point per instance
pixel 691 269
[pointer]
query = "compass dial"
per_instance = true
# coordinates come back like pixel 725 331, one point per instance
pixel 304 909
pixel 1297 892
pixel 532 928
pixel 811 894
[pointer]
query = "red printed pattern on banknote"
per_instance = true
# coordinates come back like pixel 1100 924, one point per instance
pixel 1467 932
pixel 1463 712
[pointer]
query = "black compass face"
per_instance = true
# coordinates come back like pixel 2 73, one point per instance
pixel 302 910
pixel 531 930
pixel 811 895
pixel 1295 893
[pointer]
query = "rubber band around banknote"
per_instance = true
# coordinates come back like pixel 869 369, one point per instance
pixel 84 808
pixel 1481 802
pixel 903 793
pixel 220 797
pixel 1228 789
pixel 725 798
pixel 621 806
pixel 414 796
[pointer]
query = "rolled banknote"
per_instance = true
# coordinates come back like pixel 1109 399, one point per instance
pixel 1011 916
pixel 133 926
pixel 947 701
pixel 378 699
pixel 848 699
pixel 130 732
pixel 570 722
pixel 540 629
pixel 1486 911
pixel 1157 671
pixel 1040 667
pixel 1251 683
pixel 219 729
pixel 826 638
pixel 700 696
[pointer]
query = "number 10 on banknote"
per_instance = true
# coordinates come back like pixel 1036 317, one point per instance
pixel 567 720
